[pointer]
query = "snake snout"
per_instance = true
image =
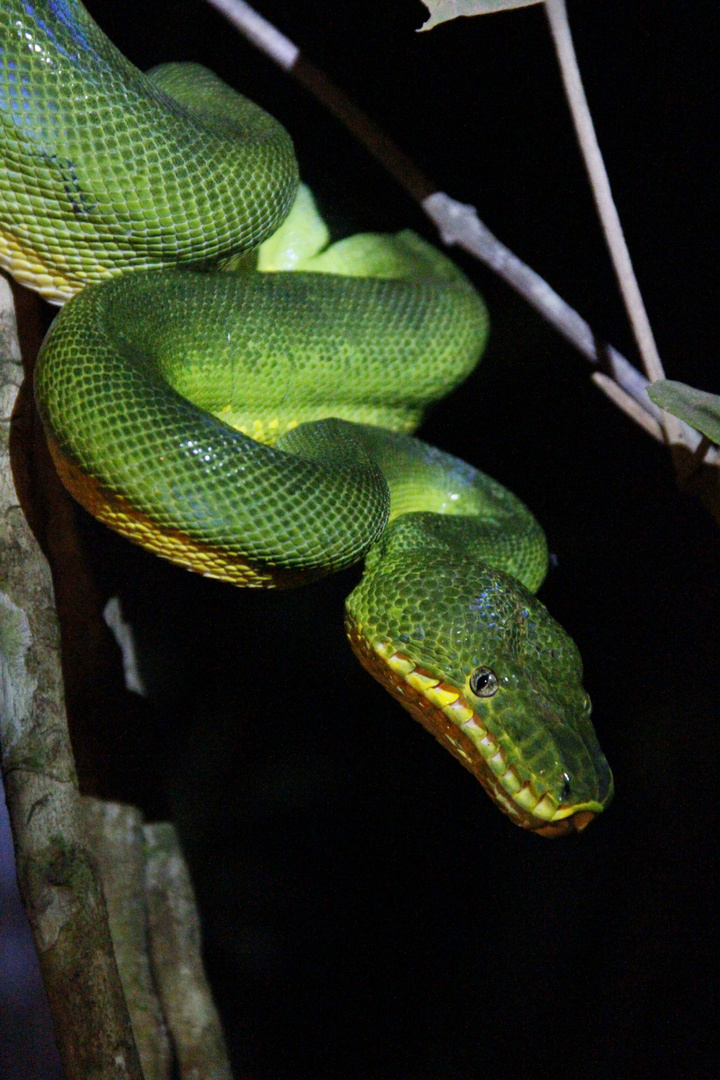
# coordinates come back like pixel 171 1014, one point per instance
pixel 575 824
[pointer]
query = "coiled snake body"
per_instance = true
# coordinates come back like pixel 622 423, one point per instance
pixel 252 425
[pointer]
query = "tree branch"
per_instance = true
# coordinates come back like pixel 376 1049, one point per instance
pixel 556 12
pixel 176 953
pixel 456 222
pixel 115 833
pixel 58 880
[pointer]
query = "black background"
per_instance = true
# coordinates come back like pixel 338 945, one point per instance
pixel 367 912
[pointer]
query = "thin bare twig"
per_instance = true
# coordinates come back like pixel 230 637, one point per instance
pixel 556 11
pixel 628 405
pixel 457 223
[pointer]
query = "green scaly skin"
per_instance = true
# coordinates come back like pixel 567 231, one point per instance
pixel 258 419
pixel 448 590
pixel 104 169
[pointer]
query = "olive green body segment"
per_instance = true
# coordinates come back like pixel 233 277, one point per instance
pixel 254 426
pixel 104 169
pixel 138 378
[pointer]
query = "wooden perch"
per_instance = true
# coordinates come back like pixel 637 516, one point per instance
pixel 58 879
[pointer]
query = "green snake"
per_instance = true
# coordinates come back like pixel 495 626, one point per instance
pixel 253 425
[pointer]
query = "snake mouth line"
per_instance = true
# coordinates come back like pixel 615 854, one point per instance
pixel 446 714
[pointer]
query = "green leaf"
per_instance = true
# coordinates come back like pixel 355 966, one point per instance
pixel 696 407
pixel 442 10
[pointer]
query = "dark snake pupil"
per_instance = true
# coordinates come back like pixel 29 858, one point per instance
pixel 483 682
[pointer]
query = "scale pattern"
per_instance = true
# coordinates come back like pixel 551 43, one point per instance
pixel 426 616
pixel 133 370
pixel 253 426
pixel 129 176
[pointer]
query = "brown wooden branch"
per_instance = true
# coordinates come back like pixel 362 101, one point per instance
pixel 115 832
pixel 109 899
pixel 459 224
pixel 176 953
pixel 110 729
pixel 58 880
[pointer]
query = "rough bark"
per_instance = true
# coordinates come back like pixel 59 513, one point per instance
pixel 176 953
pixel 115 832
pixel 58 880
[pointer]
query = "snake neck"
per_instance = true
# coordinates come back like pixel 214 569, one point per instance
pixel 440 504
pixel 439 614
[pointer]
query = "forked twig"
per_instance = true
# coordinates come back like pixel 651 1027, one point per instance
pixel 459 223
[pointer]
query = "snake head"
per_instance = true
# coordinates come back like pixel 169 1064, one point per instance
pixel 480 662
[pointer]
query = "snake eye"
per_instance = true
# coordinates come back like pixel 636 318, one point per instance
pixel 484 682
pixel 565 794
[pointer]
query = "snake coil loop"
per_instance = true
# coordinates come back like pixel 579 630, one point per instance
pixel 254 426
